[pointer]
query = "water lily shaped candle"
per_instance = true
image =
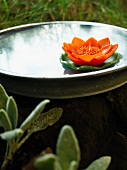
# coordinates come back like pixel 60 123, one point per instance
pixel 89 55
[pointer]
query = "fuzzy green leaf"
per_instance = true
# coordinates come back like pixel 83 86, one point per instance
pixel 12 111
pixel 67 148
pixel 45 119
pixel 100 164
pixel 10 135
pixel 5 121
pixel 47 162
pixel 73 165
pixel 3 97
pixel 34 115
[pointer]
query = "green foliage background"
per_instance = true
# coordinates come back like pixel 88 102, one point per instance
pixel 18 12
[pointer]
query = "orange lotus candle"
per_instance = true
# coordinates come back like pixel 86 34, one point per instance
pixel 90 52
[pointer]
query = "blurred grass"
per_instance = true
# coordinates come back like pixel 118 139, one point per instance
pixel 18 12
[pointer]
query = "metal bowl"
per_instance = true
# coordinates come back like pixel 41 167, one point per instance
pixel 30 60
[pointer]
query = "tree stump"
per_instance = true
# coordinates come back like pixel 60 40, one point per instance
pixel 97 121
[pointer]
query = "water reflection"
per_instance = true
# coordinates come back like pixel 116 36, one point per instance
pixel 35 51
pixel 1 51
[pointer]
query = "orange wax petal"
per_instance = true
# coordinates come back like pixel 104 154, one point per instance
pixel 74 48
pixel 66 50
pixel 98 60
pixel 112 50
pixel 76 61
pixel 66 46
pixel 103 42
pixel 86 57
pixel 91 41
pixel 69 48
pixel 78 42
pixel 75 55
pixel 105 49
